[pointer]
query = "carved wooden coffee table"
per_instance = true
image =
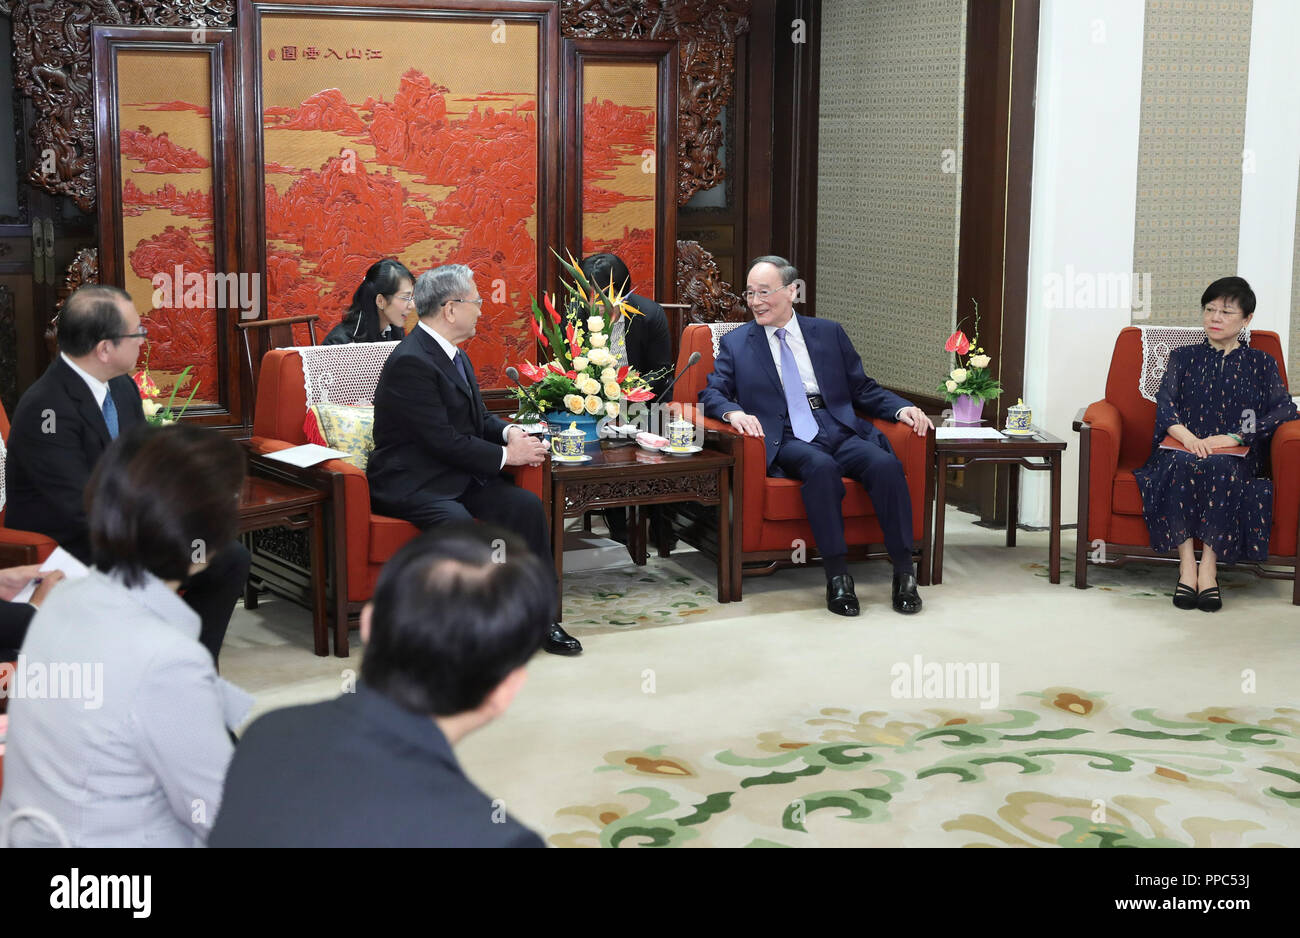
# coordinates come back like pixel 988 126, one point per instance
pixel 629 476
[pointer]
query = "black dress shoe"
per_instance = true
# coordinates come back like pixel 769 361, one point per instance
pixel 840 598
pixel 1210 600
pixel 560 642
pixel 1184 596
pixel 907 599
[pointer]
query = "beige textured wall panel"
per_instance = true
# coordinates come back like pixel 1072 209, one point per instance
pixel 1293 359
pixel 1195 61
pixel 887 212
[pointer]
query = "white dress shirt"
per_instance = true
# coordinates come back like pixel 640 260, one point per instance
pixel 452 351
pixel 97 388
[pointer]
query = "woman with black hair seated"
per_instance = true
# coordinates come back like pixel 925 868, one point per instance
pixel 125 742
pixel 379 306
pixel 1216 394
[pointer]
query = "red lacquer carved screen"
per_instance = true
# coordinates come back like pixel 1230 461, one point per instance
pixel 404 135
pixel 164 164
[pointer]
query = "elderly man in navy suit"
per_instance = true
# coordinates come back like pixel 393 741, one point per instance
pixel 795 381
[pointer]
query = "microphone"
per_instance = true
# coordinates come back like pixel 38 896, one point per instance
pixel 513 374
pixel 690 362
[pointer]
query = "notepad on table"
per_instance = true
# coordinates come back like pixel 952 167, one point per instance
pixel 309 454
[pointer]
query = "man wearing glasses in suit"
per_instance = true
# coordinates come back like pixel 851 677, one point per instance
pixel 65 421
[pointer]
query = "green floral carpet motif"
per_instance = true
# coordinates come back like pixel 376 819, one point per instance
pixel 1138 580
pixel 1067 768
pixel 628 597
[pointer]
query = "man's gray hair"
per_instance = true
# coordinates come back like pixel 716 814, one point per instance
pixel 789 273
pixel 435 287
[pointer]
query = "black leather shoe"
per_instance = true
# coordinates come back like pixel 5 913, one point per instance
pixel 1210 600
pixel 840 598
pixel 560 642
pixel 907 599
pixel 1184 596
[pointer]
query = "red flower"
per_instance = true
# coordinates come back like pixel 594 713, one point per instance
pixel 568 333
pixel 957 342
pixel 622 373
pixel 546 301
pixel 538 332
pixel 555 367
pixel 532 372
pixel 639 395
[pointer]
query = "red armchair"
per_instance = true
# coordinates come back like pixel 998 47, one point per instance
pixel 1115 438
pixel 772 511
pixel 360 540
pixel 18 548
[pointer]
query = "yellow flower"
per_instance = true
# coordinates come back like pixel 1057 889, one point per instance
pixel 980 361
pixel 598 340
pixel 952 385
pixel 574 402
pixel 595 324
pixel 580 363
pixel 588 385
pixel 612 390
pixel 609 374
pixel 600 357
pixel 959 375
pixel 151 407
pixel 611 409
pixel 594 405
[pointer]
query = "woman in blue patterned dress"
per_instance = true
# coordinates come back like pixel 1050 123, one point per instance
pixel 1217 394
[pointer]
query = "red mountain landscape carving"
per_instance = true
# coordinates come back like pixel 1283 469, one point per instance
pixel 158 152
pixel 196 203
pixel 325 110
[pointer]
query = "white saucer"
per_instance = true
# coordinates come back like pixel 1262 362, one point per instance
pixel 1019 432
pixel 687 451
pixel 585 457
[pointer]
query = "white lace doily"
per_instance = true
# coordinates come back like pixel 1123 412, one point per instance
pixel 1157 343
pixel 719 329
pixel 3 455
pixel 343 374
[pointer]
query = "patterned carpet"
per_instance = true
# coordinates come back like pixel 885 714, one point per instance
pixel 1103 717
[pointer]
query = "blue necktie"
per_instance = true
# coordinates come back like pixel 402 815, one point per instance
pixel 464 369
pixel 802 421
pixel 110 414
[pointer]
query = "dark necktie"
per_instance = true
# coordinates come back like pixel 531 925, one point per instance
pixel 464 369
pixel 110 414
pixel 802 421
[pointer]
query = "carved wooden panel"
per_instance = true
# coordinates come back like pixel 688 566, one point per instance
pixel 697 485
pixel 706 31
pixel 700 284
pixel 52 67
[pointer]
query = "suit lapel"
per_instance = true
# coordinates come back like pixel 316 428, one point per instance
pixel 439 356
pixel 76 388
pixel 763 352
pixel 818 354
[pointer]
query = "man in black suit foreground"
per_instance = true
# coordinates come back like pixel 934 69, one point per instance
pixel 796 382
pixel 65 421
pixel 438 451
pixel 446 639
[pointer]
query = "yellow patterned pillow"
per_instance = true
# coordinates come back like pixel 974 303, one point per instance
pixel 350 429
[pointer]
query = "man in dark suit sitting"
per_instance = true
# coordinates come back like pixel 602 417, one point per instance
pixel 447 637
pixel 438 451
pixel 65 421
pixel 795 381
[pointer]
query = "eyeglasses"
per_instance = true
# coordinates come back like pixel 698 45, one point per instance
pixel 404 297
pixel 142 334
pixel 478 302
pixel 1225 313
pixel 751 295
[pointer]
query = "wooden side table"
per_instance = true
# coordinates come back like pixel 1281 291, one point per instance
pixel 629 476
pixel 268 502
pixel 1039 452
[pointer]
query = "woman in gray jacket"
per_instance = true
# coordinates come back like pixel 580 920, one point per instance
pixel 117 718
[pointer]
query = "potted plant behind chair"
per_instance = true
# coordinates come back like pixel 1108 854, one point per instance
pixel 969 384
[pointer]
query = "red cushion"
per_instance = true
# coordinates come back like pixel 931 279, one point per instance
pixel 1127 499
pixel 782 501
pixel 387 535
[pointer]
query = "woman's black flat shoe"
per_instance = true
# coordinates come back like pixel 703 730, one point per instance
pixel 1209 600
pixel 1185 597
